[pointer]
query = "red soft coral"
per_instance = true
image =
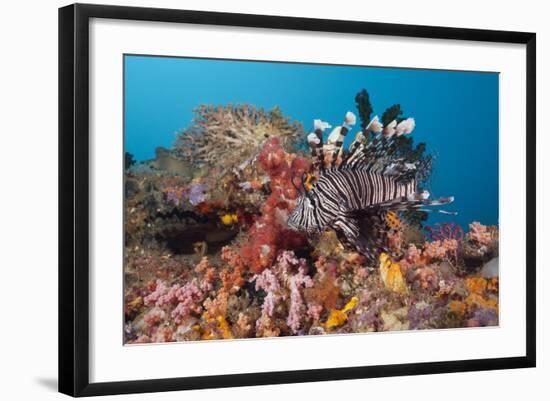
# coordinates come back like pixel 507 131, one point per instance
pixel 270 234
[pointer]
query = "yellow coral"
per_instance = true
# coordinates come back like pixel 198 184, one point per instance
pixel 457 307
pixel 229 219
pixel 492 284
pixel 222 327
pixel 338 317
pixel 476 285
pixel 477 301
pixel 391 275
pixel 136 303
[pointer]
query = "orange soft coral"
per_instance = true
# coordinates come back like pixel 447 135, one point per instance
pixel 324 293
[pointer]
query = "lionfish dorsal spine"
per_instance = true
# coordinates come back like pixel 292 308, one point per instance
pixel 315 142
pixel 355 189
pixel 336 139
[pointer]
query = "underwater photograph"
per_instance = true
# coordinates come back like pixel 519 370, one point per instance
pixel 275 199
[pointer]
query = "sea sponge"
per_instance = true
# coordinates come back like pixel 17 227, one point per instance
pixel 391 275
pixel 338 317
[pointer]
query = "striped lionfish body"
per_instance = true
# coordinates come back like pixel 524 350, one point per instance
pixel 355 190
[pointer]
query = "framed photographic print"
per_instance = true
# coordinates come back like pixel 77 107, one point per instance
pixel 250 199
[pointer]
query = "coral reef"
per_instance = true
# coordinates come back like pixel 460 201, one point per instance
pixel 209 254
pixel 227 136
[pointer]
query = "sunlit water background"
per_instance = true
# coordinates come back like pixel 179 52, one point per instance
pixel 456 112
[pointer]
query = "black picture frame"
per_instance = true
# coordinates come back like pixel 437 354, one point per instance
pixel 74 198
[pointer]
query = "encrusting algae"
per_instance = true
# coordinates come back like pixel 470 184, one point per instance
pixel 249 227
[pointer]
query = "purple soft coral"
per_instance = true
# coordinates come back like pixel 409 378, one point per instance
pixel 445 231
pixel 483 317
pixel 197 193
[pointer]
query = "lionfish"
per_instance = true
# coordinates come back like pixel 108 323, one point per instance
pixel 355 190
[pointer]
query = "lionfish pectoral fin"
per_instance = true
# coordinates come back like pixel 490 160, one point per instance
pixel 437 211
pixel 416 202
pixel 366 235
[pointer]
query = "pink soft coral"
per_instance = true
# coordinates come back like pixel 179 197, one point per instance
pixel 293 272
pixel 413 254
pixel 297 307
pixel 285 281
pixel 270 284
pixel 480 233
pixel 426 278
pixel 160 289
pixel 189 297
pixel 440 249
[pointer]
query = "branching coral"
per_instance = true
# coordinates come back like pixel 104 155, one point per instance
pixel 221 136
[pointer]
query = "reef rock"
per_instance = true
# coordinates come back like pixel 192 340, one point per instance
pixel 490 269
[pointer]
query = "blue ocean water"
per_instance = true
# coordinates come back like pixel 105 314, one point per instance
pixel 456 112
